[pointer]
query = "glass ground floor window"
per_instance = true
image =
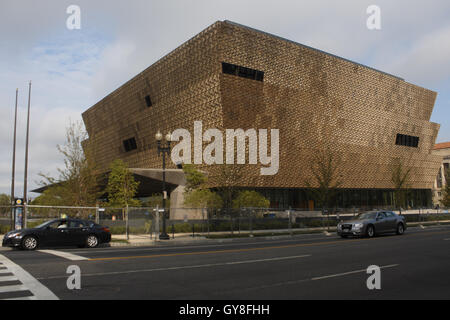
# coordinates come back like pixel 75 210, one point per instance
pixel 349 198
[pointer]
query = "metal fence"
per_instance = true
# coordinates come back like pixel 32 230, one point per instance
pixel 147 221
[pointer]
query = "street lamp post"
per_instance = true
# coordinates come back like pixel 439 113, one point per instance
pixel 163 149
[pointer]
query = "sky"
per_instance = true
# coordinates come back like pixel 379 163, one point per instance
pixel 71 70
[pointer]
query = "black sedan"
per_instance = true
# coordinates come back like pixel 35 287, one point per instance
pixel 59 232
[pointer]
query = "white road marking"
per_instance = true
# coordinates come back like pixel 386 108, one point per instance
pixel 17 287
pixel 8 278
pixel 296 282
pixel 4 271
pixel 23 298
pixel 66 255
pixel 183 267
pixel 350 272
pixel 270 259
pixel 28 281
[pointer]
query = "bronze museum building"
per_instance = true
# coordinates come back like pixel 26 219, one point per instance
pixel 231 76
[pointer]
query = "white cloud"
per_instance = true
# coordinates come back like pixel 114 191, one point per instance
pixel 62 74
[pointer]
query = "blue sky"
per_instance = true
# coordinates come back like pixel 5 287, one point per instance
pixel 73 69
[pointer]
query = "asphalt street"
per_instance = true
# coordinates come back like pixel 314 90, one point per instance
pixel 413 266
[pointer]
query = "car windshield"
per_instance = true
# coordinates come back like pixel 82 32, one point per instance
pixel 367 215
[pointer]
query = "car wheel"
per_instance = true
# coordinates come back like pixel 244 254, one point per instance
pixel 370 231
pixel 400 229
pixel 91 241
pixel 29 243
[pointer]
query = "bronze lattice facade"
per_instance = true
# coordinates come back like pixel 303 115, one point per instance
pixel 315 99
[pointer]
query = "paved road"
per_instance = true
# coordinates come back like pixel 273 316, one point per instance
pixel 413 266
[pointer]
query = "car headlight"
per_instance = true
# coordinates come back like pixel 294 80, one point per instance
pixel 14 235
pixel 358 225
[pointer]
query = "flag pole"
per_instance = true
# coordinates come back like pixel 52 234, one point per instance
pixel 25 198
pixel 13 222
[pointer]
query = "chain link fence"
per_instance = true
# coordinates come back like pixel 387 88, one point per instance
pixel 147 221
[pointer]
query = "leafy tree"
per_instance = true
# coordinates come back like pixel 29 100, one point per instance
pixel 78 183
pixel 196 194
pixel 194 178
pixel 250 199
pixel 203 198
pixel 156 200
pixel 227 179
pixel 5 200
pixel 53 196
pixel 400 180
pixel 5 203
pixel 122 187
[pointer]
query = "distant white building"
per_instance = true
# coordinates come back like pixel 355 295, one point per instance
pixel 441 149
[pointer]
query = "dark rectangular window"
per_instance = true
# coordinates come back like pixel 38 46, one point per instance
pixel 243 72
pixel 130 144
pixel 406 140
pixel 148 101
pixel 259 76
pixel 229 68
pixel 247 73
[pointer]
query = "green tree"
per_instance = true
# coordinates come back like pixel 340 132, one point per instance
pixel 250 199
pixel 203 198
pixel 77 184
pixel 53 196
pixel 195 179
pixel 5 199
pixel 156 200
pixel 400 180
pixel 5 203
pixel 227 180
pixel 122 187
pixel 196 194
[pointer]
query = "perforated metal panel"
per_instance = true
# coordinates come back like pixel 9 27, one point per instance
pixel 315 99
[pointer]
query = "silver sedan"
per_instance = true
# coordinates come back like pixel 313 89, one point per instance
pixel 372 223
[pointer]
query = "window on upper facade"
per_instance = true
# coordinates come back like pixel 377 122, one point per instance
pixel 130 144
pixel 407 141
pixel 148 101
pixel 242 72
